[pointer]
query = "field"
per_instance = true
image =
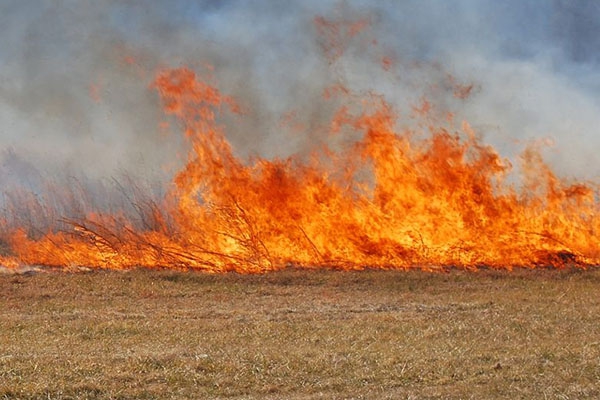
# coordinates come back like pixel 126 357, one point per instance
pixel 301 335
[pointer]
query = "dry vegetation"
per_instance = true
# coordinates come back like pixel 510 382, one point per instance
pixel 300 335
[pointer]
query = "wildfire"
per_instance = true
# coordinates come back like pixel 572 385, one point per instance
pixel 391 199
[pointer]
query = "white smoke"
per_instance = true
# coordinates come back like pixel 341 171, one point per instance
pixel 72 102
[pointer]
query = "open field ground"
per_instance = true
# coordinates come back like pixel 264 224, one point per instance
pixel 301 335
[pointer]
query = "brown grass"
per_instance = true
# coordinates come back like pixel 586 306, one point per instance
pixel 300 335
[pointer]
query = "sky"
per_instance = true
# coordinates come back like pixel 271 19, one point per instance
pixel 75 75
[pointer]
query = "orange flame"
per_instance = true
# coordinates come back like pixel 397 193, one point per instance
pixel 391 200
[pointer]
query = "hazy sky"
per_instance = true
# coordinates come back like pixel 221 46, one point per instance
pixel 70 99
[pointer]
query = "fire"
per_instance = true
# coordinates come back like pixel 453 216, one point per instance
pixel 392 199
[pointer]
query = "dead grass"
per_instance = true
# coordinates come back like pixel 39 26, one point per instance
pixel 300 335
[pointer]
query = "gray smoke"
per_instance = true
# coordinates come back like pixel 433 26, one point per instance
pixel 72 103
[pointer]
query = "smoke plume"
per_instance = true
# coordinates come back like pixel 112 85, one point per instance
pixel 75 76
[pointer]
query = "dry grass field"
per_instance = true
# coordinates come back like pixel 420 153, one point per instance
pixel 301 335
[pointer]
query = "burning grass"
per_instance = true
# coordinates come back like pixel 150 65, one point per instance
pixel 300 335
pixel 385 198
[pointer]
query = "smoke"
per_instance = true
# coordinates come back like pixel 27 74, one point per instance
pixel 75 95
